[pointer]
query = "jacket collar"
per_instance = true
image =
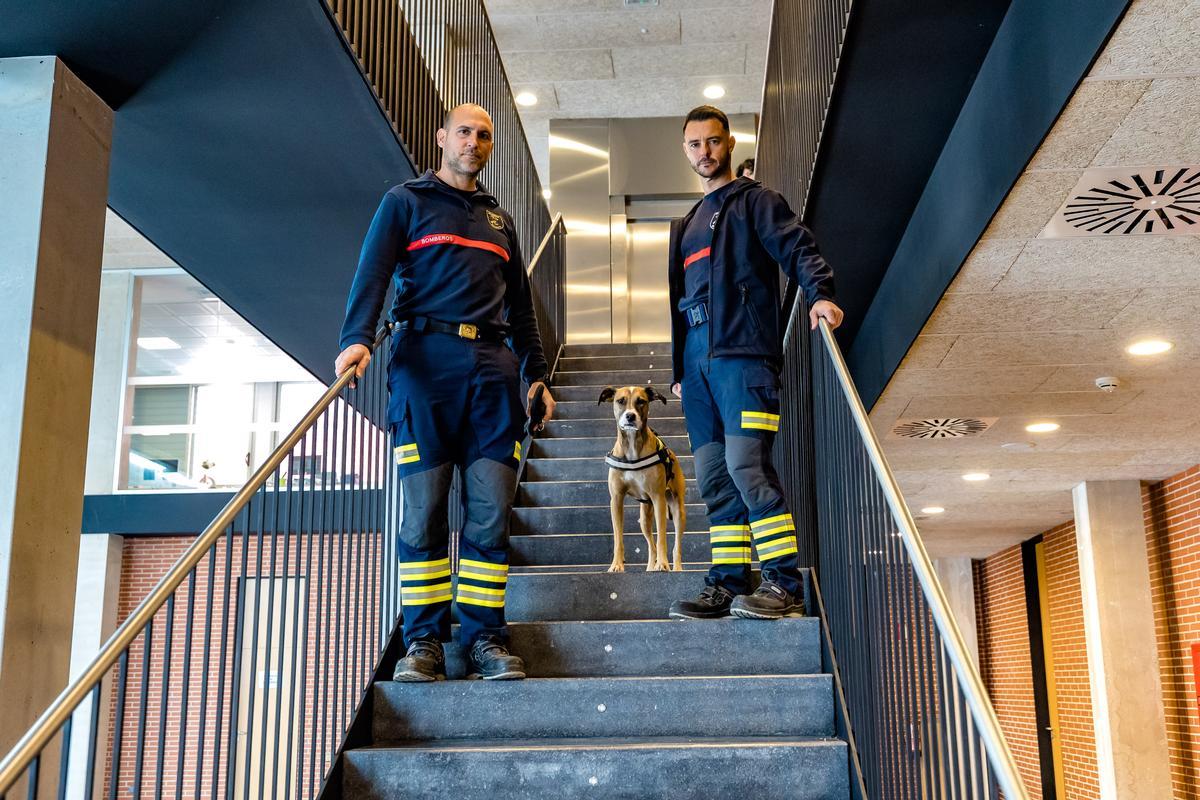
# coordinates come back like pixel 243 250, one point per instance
pixel 429 181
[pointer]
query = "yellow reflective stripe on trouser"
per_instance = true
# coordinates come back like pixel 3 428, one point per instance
pixel 479 596
pixel 777 548
pixel 517 451
pixel 406 453
pixel 771 525
pixel 482 571
pixel 423 570
pixel 760 420
pixel 424 595
pixel 731 555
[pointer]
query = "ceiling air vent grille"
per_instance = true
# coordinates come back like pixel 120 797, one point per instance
pixel 948 428
pixel 1119 201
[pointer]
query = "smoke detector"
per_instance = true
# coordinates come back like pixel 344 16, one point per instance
pixel 1108 384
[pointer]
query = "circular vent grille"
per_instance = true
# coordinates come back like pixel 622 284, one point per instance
pixel 954 428
pixel 1147 201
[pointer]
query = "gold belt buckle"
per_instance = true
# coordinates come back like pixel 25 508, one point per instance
pixel 467 331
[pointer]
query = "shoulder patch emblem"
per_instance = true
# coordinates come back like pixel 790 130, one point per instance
pixel 712 225
pixel 495 220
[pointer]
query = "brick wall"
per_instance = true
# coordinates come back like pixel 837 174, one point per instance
pixel 1005 660
pixel 1173 544
pixel 342 607
pixel 1172 514
pixel 1076 731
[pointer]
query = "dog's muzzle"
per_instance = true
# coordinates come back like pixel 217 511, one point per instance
pixel 629 421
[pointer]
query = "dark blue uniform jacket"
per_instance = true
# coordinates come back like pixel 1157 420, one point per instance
pixel 756 234
pixel 454 257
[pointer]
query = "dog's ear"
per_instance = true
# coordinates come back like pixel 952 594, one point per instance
pixel 607 395
pixel 654 394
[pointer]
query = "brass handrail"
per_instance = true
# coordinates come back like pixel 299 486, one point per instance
pixel 965 671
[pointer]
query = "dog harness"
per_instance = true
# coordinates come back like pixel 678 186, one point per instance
pixel 661 455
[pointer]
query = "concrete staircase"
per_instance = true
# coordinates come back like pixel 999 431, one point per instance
pixel 620 702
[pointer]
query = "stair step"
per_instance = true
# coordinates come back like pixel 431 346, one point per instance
pixel 593 594
pixel 803 768
pixel 560 428
pixel 619 362
pixel 530 520
pixel 594 446
pixel 590 409
pixel 583 469
pixel 581 493
pixel 666 648
pixel 595 549
pixel 659 378
pixel 753 705
pixel 616 349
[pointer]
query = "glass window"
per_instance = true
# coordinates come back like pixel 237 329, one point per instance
pixel 208 396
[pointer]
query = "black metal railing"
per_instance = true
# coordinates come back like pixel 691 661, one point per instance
pixel 242 670
pixel 239 672
pixel 922 723
pixel 423 57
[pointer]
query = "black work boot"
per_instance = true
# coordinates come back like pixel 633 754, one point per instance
pixel 769 601
pixel 424 661
pixel 489 659
pixel 712 603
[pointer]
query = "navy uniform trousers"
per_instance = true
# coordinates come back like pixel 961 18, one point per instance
pixel 732 410
pixel 452 402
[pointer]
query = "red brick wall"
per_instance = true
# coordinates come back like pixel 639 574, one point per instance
pixel 145 560
pixel 1076 731
pixel 1005 660
pixel 1173 543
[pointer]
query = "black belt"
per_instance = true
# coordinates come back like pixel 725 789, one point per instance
pixel 696 315
pixel 463 330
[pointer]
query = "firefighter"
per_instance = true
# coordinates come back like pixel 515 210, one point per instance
pixel 726 335
pixel 461 295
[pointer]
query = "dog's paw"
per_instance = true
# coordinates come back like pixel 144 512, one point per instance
pixel 659 566
pixel 677 568
pixel 615 567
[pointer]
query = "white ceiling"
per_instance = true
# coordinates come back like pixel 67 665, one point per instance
pixel 1030 322
pixel 600 59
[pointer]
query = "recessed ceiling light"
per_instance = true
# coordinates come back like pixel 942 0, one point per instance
pixel 976 476
pixel 1018 447
pixel 157 343
pixel 546 193
pixel 714 92
pixel 932 510
pixel 1148 347
pixel 1043 427
pixel 527 99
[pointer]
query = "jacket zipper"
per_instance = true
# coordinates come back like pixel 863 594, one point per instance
pixel 749 307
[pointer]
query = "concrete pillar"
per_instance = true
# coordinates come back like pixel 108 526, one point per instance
pixel 113 344
pixel 958 582
pixel 1118 620
pixel 96 594
pixel 54 150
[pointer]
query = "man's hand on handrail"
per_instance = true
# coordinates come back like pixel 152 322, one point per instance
pixel 355 357
pixel 826 310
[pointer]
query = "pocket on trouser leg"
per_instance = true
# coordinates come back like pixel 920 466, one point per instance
pixel 774 536
pixel 759 411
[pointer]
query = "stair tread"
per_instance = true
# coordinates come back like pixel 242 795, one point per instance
pixel 607 743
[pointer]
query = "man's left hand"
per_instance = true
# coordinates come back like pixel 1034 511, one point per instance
pixel 826 310
pixel 547 399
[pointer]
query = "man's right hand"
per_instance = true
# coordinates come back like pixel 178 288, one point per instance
pixel 355 357
pixel 677 390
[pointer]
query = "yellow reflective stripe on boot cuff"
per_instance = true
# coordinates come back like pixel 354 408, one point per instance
pixel 479 596
pixel 424 595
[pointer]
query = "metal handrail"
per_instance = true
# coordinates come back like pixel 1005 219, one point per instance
pixel 557 226
pixel 984 715
pixel 55 716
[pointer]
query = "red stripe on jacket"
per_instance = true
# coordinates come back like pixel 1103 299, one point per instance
pixel 696 256
pixel 450 238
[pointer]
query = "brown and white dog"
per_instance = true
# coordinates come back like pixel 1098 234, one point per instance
pixel 641 466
